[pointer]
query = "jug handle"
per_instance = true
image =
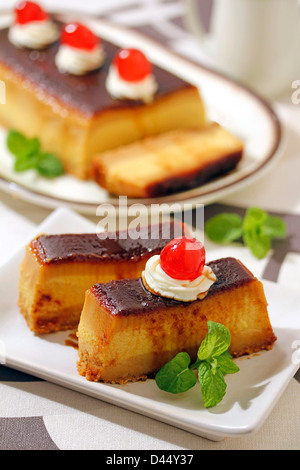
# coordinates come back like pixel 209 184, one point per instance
pixel 192 20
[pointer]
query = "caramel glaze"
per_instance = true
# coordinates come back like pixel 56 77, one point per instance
pixel 87 94
pixel 129 296
pixel 106 246
pixel 186 181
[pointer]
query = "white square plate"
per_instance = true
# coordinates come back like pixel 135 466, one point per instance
pixel 251 393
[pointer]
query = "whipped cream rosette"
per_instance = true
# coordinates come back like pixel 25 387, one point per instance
pixel 80 51
pixel 32 27
pixel 179 272
pixel 130 76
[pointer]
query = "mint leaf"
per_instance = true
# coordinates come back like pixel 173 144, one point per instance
pixel 226 363
pixel 213 361
pixel 31 147
pixel 254 217
pixel 257 229
pixel 23 163
pixel 175 376
pixel 15 142
pixel 49 165
pixel 213 385
pixel 274 227
pixel 20 146
pixel 28 155
pixel 254 236
pixel 224 227
pixel 258 243
pixel 216 341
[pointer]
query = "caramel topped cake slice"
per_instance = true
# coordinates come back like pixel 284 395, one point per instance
pixel 127 333
pixel 173 161
pixel 58 269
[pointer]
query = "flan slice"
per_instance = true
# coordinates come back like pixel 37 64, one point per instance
pixel 126 333
pixel 173 161
pixel 75 117
pixel 58 269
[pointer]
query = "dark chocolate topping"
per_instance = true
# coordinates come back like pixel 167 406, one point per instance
pixel 88 93
pixel 129 296
pixel 230 273
pixel 108 246
pixel 198 177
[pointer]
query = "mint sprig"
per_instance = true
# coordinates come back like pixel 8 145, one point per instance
pixel 212 363
pixel 28 155
pixel 176 376
pixel 257 229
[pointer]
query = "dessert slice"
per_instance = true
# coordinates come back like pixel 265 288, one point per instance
pixel 75 116
pixel 174 161
pixel 57 270
pixel 127 333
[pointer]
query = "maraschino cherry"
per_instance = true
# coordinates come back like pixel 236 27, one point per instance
pixel 132 65
pixel 26 12
pixel 79 36
pixel 183 258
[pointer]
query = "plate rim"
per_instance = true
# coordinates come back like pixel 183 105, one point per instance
pixel 210 194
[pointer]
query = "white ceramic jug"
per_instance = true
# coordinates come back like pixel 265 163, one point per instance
pixel 254 41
